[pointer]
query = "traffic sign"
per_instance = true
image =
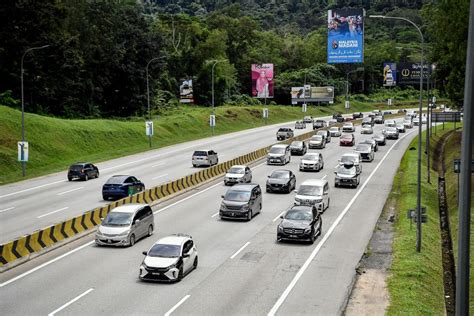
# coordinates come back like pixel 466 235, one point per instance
pixel 347 105
pixel 149 128
pixel 265 113
pixel 212 120
pixel 389 101
pixel 23 151
pixel 304 108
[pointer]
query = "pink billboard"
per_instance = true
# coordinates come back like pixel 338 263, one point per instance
pixel 262 80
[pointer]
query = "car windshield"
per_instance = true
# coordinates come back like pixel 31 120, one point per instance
pixel 347 158
pixel 200 153
pixel 334 129
pixel 400 125
pixel 362 147
pixel 283 130
pixel 309 190
pixel 317 137
pixel 406 121
pixel 348 125
pixel 115 180
pixel 165 251
pixel 310 157
pixel 280 175
pixel 117 219
pixel 366 127
pixel 346 171
pixel 391 129
pixel 299 215
pixel 347 136
pixel 277 150
pixel 378 136
pixel 297 144
pixel 237 196
pixel 236 170
pixel 76 167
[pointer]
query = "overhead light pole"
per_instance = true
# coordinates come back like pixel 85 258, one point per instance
pixel 23 163
pixel 420 125
pixel 148 93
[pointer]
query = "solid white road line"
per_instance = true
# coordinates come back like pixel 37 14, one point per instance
pixel 316 250
pixel 241 248
pixel 276 218
pixel 158 164
pixel 45 264
pixel 324 177
pixel 160 176
pixel 61 209
pixel 71 301
pixel 177 305
pixel 214 215
pixel 33 188
pixel 61 193
pixel 7 209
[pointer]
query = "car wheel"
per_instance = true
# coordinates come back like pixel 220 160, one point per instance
pixel 105 198
pixel 320 229
pixel 150 230
pixel 289 188
pixel 249 215
pixel 313 238
pixel 69 179
pixel 250 179
pixel 97 175
pixel 132 240
pixel 180 274
pixel 327 206
pixel 268 191
pixel 336 185
pixel 194 166
pixel 260 207
pixel 195 263
pixel 86 177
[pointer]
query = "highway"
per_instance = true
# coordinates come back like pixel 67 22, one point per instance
pixel 242 269
pixel 38 203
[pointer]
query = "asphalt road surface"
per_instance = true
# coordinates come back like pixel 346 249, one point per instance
pixel 242 269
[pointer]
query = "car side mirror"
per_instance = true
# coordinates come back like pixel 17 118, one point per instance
pixel 296 191
pixel 335 172
pixel 281 216
pixel 222 196
pixel 268 176
pixel 136 221
pixel 144 253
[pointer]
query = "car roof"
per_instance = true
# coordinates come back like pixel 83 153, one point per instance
pixel 203 150
pixel 304 208
pixel 243 186
pixel 280 146
pixel 314 182
pixel 176 239
pixel 350 155
pixel 123 177
pixel 238 166
pixel 128 208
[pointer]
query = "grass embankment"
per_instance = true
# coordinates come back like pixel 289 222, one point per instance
pixel 56 143
pixel 416 280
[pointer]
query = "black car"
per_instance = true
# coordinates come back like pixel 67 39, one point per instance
pixel 298 147
pixel 83 171
pixel 121 186
pixel 281 181
pixel 357 115
pixel 300 223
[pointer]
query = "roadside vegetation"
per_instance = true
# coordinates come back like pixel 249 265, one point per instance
pixel 416 279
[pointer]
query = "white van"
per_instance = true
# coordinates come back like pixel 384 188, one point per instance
pixel 313 192
pixel 279 154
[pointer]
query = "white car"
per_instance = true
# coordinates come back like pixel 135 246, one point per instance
pixel 335 131
pixel 354 158
pixel 313 192
pixel 348 128
pixel 238 174
pixel 169 259
pixel 408 123
pixel 416 121
pixel 424 119
pixel 390 123
pixel 312 161
pixel 366 129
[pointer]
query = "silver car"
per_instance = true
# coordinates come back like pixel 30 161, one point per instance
pixel 124 225
pixel 335 131
pixel 238 174
pixel 366 129
pixel 317 141
pixel 312 161
pixel 204 158
pixel 365 151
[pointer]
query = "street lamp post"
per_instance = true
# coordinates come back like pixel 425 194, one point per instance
pixel 23 163
pixel 148 93
pixel 347 84
pixel 212 80
pixel 418 187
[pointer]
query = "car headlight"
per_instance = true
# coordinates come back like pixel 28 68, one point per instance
pixel 280 229
pixel 245 207
pixel 125 233
pixel 222 207
pixel 307 230
pixel 318 201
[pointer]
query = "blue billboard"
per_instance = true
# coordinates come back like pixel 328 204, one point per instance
pixel 389 74
pixel 345 36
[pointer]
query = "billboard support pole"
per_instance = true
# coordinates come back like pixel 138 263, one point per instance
pixel 428 127
pixel 418 185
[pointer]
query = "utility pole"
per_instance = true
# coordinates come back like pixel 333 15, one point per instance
pixel 148 93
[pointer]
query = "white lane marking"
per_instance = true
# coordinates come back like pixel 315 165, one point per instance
pixel 158 164
pixel 61 193
pixel 241 248
pixel 316 250
pixel 259 165
pixel 71 301
pixel 276 218
pixel 61 209
pixel 324 177
pixel 45 264
pixel 33 188
pixel 214 215
pixel 7 209
pixel 187 198
pixel 160 176
pixel 168 313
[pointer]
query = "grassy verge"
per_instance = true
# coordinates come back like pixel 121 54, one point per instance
pixel 416 280
pixel 56 143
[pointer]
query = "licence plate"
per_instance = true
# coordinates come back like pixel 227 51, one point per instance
pixel 109 241
pixel 293 236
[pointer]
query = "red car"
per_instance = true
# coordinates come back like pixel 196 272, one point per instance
pixel 347 140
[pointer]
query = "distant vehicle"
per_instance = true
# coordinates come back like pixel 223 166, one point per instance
pixel 284 133
pixel 204 158
pixel 298 147
pixel 338 117
pixel 347 175
pixel 303 223
pixel 348 119
pixel 335 131
pixel 319 124
pixel 332 122
pixel 380 139
pixel 365 151
pixel 313 192
pixel 279 154
pixel 326 134
pixel 241 201
pixel 281 181
pixel 317 141
pixel 416 121
pixel 390 123
pixel 347 140
pixel 308 119
pixel 312 161
pixel 121 186
pixel 170 259
pixel 357 115
pixel 379 119
pixel 402 111
pixel 387 112
pixel 401 128
pixel 300 125
pixel 408 123
pixel 348 128
pixel 368 121
pixel 371 142
pixel 424 119
pixel 125 224
pixel 238 174
pixel 366 129
pixel 353 158
pixel 390 133
pixel 83 171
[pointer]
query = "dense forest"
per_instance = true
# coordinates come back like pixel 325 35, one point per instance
pixel 95 64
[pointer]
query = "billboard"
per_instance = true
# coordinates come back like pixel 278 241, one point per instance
pixel 389 74
pixel 262 80
pixel 312 94
pixel 186 91
pixel 409 72
pixel 345 36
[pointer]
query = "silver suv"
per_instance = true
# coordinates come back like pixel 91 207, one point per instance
pixel 204 158
pixel 279 154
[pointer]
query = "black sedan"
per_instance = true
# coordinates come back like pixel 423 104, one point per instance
pixel 121 186
pixel 300 223
pixel 281 181
pixel 83 171
pixel 298 147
